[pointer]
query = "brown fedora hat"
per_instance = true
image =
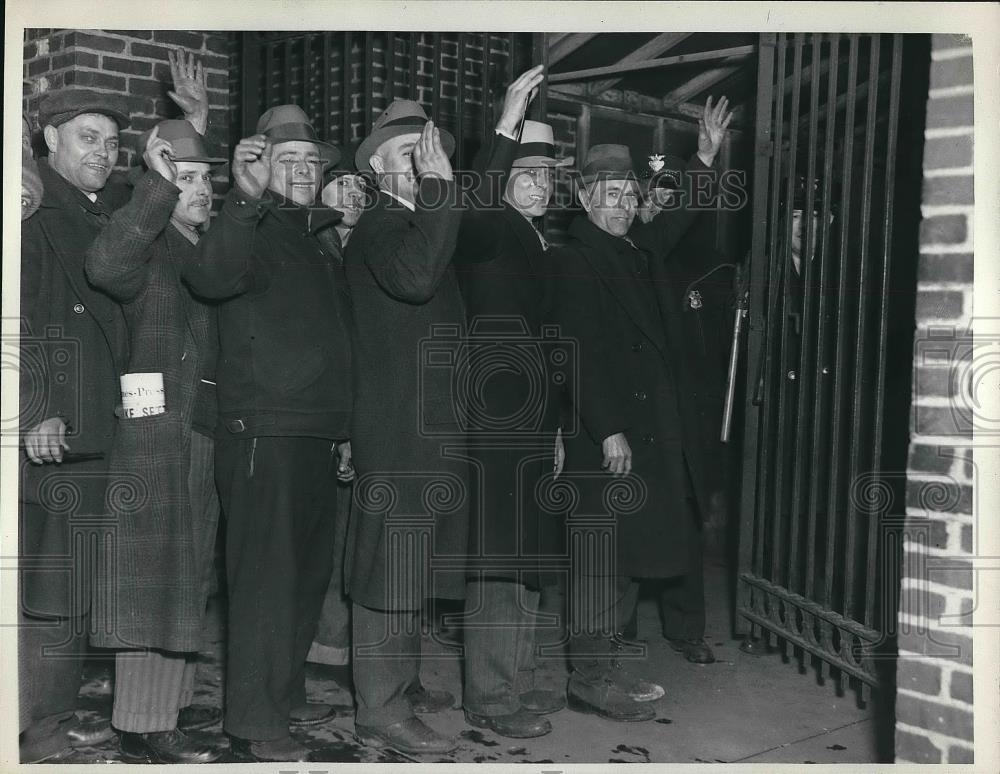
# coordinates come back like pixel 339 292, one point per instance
pixel 608 161
pixel 188 145
pixel 289 123
pixel 537 147
pixel 403 116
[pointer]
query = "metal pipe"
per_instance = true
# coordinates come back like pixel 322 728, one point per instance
pixel 345 90
pixel 460 102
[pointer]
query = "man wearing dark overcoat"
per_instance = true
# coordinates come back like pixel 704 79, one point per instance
pixel 285 386
pixel 156 588
pixel 409 524
pixel 631 399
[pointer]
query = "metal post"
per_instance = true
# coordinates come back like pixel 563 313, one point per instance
pixel 460 101
pixel 368 85
pixel 345 91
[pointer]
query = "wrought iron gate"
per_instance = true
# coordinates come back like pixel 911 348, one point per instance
pixel 814 556
pixel 343 80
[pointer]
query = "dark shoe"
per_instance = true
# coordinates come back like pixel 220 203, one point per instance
pixel 517 725
pixel 607 701
pixel 424 701
pixel 408 736
pixel 695 651
pixel 285 749
pixel 51 741
pixel 198 716
pixel 311 715
pixel 542 702
pixel 89 733
pixel 166 747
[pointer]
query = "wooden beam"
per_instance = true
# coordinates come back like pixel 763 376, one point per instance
pixel 650 50
pixel 700 83
pixel 727 54
pixel 565 44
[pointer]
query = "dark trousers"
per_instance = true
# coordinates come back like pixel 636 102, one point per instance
pixel 682 606
pixel 385 662
pixel 279 496
pixel 599 608
pixel 50 654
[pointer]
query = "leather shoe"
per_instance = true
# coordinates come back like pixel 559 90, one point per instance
pixel 195 717
pixel 285 749
pixel 542 702
pixel 55 740
pixel 517 725
pixel 166 747
pixel 407 736
pixel 88 733
pixel 696 651
pixel 424 701
pixel 311 714
pixel 607 701
pixel 634 687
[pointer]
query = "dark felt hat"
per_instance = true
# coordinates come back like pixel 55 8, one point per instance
pixel 289 123
pixel 403 116
pixel 58 107
pixel 188 145
pixel 608 161
pixel 664 171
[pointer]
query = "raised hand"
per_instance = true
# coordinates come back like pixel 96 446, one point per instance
pixel 157 156
pixel 520 93
pixel 429 157
pixel 190 90
pixel 252 164
pixel 712 129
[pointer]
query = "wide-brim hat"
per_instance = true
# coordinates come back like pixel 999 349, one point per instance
pixel 289 123
pixel 608 161
pixel 187 144
pixel 58 107
pixel 537 147
pixel 403 116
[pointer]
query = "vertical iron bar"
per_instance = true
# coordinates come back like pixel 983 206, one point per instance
pixel 269 73
pixel 757 266
pixel 540 56
pixel 837 423
pixel 368 84
pixel 250 55
pixel 436 78
pixel 345 91
pixel 861 348
pixel 414 66
pixel 783 377
pixel 772 272
pixel 308 73
pixel 806 363
pixel 390 67
pixel 823 333
pixel 460 52
pixel 327 107
pixel 286 96
pixel 486 91
pixel 510 57
pixel 883 322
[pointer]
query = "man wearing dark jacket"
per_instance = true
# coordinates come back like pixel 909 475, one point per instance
pixel 411 495
pixel 634 407
pixel 285 394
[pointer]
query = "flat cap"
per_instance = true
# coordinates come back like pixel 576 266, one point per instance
pixel 58 107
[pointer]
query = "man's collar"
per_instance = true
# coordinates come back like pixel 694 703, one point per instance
pixel 409 205
pixel 59 192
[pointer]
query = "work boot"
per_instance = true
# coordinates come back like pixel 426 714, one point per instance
pixel 517 725
pixel 285 749
pixel 166 747
pixel 411 736
pixel 606 699
pixel 542 702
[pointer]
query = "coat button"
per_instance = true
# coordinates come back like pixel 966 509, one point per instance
pixel 640 395
pixel 637 347
pixel 78 308
pixel 648 438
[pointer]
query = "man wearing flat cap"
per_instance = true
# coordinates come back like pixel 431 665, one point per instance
pixel 411 495
pixel 68 407
pixel 285 387
pixel 160 572
pixel 636 411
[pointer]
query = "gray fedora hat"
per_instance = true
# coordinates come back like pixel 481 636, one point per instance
pixel 403 116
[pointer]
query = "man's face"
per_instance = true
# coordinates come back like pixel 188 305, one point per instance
pixel 346 193
pixel 393 161
pixel 529 190
pixel 295 171
pixel 611 205
pixel 194 205
pixel 798 234
pixel 83 150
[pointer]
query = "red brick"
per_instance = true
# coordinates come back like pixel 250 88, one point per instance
pixel 98 41
pixel 218 43
pixel 149 51
pixel 950 189
pixel 929 459
pixel 214 62
pixel 950 111
pixel 915 748
pixel 934 716
pixel 75 59
pixel 919 676
pixel 950 267
pixel 217 81
pixel 95 79
pixel 939 497
pixel 933 382
pixel 129 66
pixel 39 66
pixel 939 304
pixel 958 754
pixel 942 152
pixel 952 72
pixel 937 643
pixel 146 88
pixel 961 686
pixel 188 40
pixel 958 575
pixel 30 51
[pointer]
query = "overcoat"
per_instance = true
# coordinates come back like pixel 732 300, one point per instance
pixel 73 347
pixel 151 593
pixel 503 273
pixel 412 491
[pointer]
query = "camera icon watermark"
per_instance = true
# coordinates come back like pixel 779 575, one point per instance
pixel 497 381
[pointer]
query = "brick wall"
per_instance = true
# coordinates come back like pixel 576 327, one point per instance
pixel 133 63
pixel 934 722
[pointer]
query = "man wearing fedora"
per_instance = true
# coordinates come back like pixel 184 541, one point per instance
pixel 67 426
pixel 346 190
pixel 502 269
pixel 411 496
pixel 285 394
pixel 639 421
pixel 156 588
